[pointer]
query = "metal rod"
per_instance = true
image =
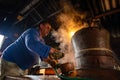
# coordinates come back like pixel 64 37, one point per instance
pixel 90 8
pixel 103 6
pixel 108 13
pixel 55 13
pixel 37 13
pixel 28 7
pixel 107 4
pixel 114 4
pixel 95 6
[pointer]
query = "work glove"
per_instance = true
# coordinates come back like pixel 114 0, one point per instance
pixel 56 55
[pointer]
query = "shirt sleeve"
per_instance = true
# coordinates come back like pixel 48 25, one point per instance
pixel 35 45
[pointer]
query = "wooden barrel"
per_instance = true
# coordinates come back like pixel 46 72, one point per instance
pixel 92 48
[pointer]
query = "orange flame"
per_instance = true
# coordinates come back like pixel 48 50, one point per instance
pixel 71 33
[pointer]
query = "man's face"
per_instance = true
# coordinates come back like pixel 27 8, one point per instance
pixel 45 29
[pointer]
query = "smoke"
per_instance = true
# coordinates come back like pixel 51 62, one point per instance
pixel 71 21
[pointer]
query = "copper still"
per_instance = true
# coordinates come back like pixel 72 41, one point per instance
pixel 94 56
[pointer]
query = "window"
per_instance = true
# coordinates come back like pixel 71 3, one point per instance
pixel 1 40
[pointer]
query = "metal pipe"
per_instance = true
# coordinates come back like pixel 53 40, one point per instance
pixel 29 6
pixel 37 13
pixel 108 13
pixel 90 8
pixel 95 7
pixel 107 4
pixel 114 5
pixel 103 6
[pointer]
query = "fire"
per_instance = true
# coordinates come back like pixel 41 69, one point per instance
pixel 71 33
pixel 42 71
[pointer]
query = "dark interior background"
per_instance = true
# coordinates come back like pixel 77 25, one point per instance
pixel 19 15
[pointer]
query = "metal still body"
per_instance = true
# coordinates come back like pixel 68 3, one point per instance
pixel 93 54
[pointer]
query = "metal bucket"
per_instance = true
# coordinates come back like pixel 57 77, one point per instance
pixel 92 49
pixel 94 56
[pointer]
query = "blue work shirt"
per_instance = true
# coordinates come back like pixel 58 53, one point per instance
pixel 26 49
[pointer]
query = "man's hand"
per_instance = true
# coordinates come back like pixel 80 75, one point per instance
pixel 52 62
pixel 55 54
pixel 52 50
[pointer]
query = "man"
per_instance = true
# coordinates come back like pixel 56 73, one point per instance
pixel 24 52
